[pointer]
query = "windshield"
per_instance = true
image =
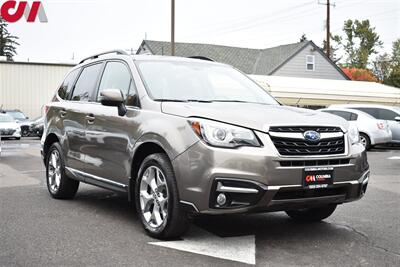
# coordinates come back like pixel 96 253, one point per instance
pixel 191 81
pixel 17 115
pixel 6 118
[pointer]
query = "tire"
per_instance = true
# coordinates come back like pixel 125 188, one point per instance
pixel 60 186
pixel 17 138
pixel 312 214
pixel 364 139
pixel 157 200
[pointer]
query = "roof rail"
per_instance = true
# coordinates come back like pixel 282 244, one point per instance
pixel 118 52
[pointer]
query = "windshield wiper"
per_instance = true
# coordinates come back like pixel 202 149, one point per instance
pixel 182 100
pixel 238 101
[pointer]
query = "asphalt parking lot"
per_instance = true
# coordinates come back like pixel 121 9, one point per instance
pixel 100 228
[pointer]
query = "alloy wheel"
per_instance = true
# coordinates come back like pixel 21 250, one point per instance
pixel 54 171
pixel 154 197
pixel 363 141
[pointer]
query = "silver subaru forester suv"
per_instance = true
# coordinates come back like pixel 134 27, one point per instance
pixel 184 137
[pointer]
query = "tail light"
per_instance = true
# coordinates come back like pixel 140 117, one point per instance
pixel 381 125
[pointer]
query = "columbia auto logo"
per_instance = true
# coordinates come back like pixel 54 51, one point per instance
pixel 12 11
pixel 312 136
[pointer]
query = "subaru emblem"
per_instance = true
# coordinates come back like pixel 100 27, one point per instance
pixel 312 136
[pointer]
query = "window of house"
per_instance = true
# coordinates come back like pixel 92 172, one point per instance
pixel 310 62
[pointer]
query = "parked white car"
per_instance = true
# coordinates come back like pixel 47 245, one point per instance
pixel 9 128
pixel 372 131
pixel 380 112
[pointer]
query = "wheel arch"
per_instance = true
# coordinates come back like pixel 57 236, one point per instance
pixel 141 152
pixel 50 139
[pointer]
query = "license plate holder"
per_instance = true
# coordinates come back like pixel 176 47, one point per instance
pixel 318 177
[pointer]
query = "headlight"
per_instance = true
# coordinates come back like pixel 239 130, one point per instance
pixel 354 135
pixel 223 135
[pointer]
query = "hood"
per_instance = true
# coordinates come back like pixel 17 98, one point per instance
pixel 9 125
pixel 254 116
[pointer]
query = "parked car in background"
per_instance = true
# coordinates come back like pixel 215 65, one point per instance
pixel 380 112
pixel 9 128
pixel 36 127
pixel 372 131
pixel 18 115
pixel 21 119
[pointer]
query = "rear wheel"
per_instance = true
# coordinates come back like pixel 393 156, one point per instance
pixel 60 186
pixel 312 214
pixel 157 199
pixel 365 141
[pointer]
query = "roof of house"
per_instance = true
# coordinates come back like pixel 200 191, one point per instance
pixel 251 61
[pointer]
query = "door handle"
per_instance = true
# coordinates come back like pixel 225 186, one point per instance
pixel 63 113
pixel 90 118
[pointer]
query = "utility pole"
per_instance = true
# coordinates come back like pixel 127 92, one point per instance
pixel 172 27
pixel 328 26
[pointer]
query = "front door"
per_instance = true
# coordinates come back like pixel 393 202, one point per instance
pixel 110 136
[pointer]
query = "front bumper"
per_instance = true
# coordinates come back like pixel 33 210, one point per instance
pixel 280 186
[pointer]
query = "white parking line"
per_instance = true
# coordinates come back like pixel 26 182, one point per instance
pixel 395 157
pixel 198 241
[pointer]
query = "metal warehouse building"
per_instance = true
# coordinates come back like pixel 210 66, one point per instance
pixel 27 86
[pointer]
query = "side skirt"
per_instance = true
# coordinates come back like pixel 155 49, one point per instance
pixel 96 180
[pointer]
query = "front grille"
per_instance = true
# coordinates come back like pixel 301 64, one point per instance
pixel 296 147
pixel 309 163
pixel 7 132
pixel 293 146
pixel 302 129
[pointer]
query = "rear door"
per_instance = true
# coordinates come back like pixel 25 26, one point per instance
pixel 75 116
pixel 109 135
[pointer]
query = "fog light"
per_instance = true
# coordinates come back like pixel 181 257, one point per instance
pixel 221 199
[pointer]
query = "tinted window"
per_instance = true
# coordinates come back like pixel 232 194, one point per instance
pixel 65 89
pixel 374 112
pixel 344 114
pixel 116 76
pixel 353 117
pixel 85 87
pixel 385 114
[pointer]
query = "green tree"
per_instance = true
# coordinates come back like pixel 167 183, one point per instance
pixel 359 43
pixel 394 77
pixel 382 67
pixel 387 67
pixel 396 53
pixel 8 43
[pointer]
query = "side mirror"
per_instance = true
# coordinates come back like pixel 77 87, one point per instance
pixel 397 118
pixel 114 98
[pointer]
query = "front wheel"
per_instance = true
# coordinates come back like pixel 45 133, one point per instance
pixel 312 214
pixel 157 199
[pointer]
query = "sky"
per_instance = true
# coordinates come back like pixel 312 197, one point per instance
pixel 76 29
